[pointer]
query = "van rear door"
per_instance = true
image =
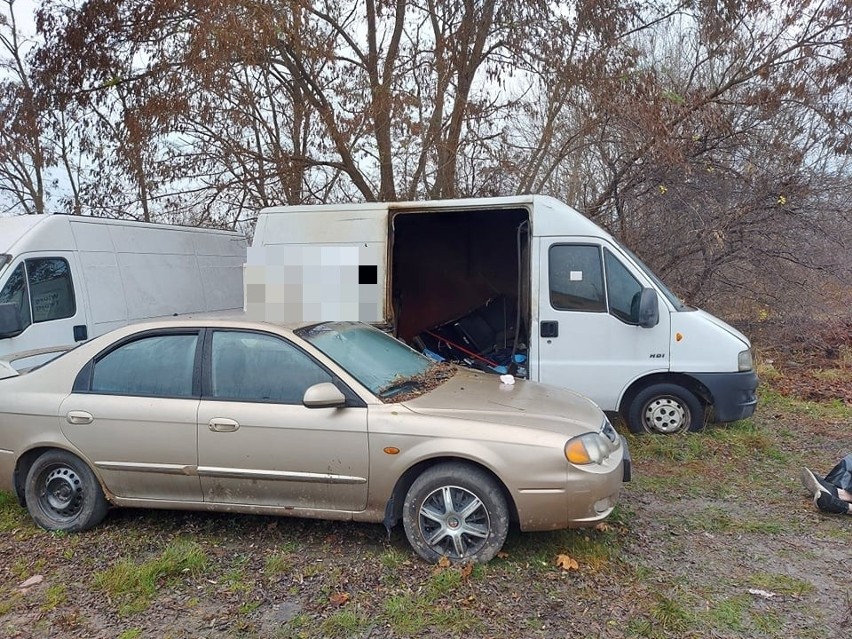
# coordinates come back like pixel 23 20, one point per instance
pixel 589 338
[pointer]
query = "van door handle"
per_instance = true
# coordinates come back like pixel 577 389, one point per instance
pixel 79 417
pixel 222 425
pixel 549 328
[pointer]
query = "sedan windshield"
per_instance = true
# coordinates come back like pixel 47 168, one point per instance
pixel 380 362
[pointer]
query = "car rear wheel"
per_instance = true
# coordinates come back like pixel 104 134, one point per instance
pixel 456 511
pixel 63 494
pixel 665 409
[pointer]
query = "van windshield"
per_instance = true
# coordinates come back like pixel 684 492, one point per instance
pixel 389 368
pixel 665 290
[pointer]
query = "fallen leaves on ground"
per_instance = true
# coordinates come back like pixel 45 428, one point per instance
pixel 566 562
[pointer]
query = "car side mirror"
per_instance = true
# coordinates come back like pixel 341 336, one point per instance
pixel 325 395
pixel 649 308
pixel 10 320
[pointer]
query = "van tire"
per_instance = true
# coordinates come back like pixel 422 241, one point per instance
pixel 436 529
pixel 63 494
pixel 665 409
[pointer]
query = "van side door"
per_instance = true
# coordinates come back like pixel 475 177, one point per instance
pixel 589 334
pixel 44 292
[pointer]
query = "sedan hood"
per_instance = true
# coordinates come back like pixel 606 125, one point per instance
pixel 479 396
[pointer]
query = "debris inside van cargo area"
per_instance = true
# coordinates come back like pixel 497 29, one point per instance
pixel 482 339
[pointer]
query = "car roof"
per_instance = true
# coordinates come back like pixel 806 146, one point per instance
pixel 221 319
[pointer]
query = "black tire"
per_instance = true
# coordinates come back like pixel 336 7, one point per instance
pixel 473 527
pixel 665 409
pixel 63 494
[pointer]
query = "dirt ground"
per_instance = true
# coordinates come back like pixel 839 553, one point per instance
pixel 714 538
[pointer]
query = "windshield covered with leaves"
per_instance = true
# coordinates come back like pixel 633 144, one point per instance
pixel 389 368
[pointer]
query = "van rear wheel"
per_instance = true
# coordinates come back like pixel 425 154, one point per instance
pixel 665 409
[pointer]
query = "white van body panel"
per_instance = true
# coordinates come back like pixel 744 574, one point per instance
pixel 596 353
pixel 122 272
pixel 702 342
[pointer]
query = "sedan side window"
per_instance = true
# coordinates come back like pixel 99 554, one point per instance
pixel 158 366
pixel 254 367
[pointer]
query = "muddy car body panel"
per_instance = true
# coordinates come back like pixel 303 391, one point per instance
pixel 335 421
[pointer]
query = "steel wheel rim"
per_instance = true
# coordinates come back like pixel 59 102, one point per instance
pixel 454 522
pixel 666 415
pixel 61 496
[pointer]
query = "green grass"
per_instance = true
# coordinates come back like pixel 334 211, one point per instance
pixel 433 606
pixel 8 601
pixel 770 399
pixel 130 633
pixel 12 516
pixel 277 563
pixel 780 584
pixel 54 595
pixel 729 614
pixel 592 549
pixel 135 584
pixel 667 616
pixel 345 623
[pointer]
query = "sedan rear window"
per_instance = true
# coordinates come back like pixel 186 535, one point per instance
pixel 159 366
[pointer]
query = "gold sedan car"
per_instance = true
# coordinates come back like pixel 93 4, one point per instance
pixel 335 420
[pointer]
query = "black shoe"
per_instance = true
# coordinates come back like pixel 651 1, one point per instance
pixel 828 503
pixel 831 488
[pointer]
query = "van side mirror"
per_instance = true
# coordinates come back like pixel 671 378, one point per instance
pixel 325 395
pixel 10 320
pixel 649 308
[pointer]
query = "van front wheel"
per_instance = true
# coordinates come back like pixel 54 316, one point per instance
pixel 665 409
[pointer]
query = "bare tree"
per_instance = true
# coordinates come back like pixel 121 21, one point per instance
pixel 24 160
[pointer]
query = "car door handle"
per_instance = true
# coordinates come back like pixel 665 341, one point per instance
pixel 222 425
pixel 79 417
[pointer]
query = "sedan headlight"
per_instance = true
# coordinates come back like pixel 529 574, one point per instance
pixel 587 449
pixel 744 360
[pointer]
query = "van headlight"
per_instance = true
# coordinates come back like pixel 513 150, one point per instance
pixel 744 360
pixel 589 448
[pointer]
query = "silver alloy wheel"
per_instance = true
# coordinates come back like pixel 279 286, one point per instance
pixel 62 495
pixel 666 415
pixel 454 522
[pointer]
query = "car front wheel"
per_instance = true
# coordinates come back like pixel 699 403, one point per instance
pixel 456 511
pixel 63 494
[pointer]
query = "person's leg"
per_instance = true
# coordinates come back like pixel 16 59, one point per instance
pixel 826 496
pixel 828 503
pixel 841 474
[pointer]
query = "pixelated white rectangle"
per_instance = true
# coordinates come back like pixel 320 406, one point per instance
pixel 299 283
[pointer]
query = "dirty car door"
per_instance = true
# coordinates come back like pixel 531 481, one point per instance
pixel 258 444
pixel 132 412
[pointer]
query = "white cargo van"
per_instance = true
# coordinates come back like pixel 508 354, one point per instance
pixel 65 279
pixel 523 283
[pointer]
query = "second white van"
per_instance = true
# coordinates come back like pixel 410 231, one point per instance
pixel 66 279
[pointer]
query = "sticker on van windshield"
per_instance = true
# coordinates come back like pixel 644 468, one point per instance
pixel 575 276
pixel 297 283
